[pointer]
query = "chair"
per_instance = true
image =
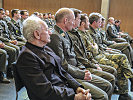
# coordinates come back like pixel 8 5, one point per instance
pixel 18 81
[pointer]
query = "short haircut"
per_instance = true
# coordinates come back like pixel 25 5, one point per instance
pixel 117 21
pixel 76 11
pixel 14 11
pixel 36 13
pixel 94 17
pixel 110 18
pixel 23 11
pixel 31 24
pixel 103 19
pixel 61 13
pixel 44 14
pixel 1 9
pixel 49 13
pixel 83 18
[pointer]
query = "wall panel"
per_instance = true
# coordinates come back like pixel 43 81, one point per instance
pixel 123 10
pixel 87 6
pixel 33 5
pixel 53 5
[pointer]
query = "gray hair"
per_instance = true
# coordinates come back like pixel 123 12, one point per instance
pixel 31 24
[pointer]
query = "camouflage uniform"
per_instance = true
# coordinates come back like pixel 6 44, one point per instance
pixel 3 60
pixel 123 70
pixel 62 45
pixel 16 30
pixel 6 36
pixel 81 55
pixel 124 46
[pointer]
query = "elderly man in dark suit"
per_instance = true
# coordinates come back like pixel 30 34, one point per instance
pixel 40 68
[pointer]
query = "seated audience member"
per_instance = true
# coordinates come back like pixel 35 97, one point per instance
pixel 40 68
pixel 15 26
pixel 24 15
pixel 124 71
pixel 117 26
pixel 7 17
pixel 112 32
pixel 62 45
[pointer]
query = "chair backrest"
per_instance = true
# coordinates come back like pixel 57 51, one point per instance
pixel 18 81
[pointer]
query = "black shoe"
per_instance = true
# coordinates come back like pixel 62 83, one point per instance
pixel 9 73
pixel 125 97
pixel 5 80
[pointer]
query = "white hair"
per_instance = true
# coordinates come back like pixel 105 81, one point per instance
pixel 31 24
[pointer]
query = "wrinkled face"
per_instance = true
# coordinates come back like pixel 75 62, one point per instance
pixel 45 33
pixel 87 23
pixel 2 14
pixel 69 23
pixel 25 16
pixel 77 21
pixel 98 23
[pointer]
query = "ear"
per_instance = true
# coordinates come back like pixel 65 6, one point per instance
pixel 37 34
pixel 83 23
pixel 65 20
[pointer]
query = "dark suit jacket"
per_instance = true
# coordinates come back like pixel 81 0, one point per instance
pixel 42 75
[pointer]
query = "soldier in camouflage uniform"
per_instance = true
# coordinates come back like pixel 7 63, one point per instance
pixel 5 37
pixel 62 45
pixel 15 26
pixel 125 47
pixel 103 71
pixel 124 71
pixel 24 15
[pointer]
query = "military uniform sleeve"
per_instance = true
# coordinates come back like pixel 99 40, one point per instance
pixel 111 33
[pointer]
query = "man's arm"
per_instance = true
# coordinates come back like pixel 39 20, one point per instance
pixel 57 46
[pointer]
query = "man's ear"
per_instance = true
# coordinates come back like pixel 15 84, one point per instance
pixel 37 34
pixel 83 23
pixel 65 20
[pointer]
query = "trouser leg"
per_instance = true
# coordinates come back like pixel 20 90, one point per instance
pixel 97 93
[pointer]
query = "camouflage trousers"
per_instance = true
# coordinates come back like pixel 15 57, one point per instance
pixel 121 64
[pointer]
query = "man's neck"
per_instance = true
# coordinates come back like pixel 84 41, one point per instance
pixel 62 26
pixel 92 26
pixel 15 19
pixel 38 43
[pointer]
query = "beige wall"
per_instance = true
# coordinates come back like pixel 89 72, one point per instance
pixel 123 10
pixel 1 3
pixel 87 6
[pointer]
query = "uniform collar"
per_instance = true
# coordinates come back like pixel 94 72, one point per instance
pixel 59 30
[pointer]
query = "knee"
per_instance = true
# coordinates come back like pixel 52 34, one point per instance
pixel 3 53
pixel 114 71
